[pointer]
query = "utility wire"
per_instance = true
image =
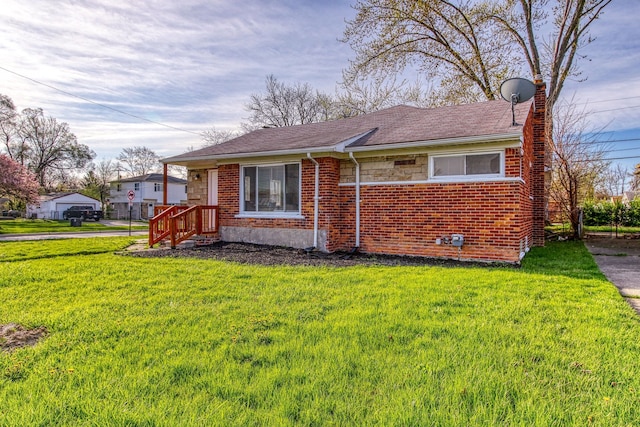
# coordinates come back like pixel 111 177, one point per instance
pixel 614 109
pixel 611 100
pixel 97 103
pixel 606 159
pixel 609 141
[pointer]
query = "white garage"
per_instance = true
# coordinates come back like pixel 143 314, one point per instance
pixel 52 205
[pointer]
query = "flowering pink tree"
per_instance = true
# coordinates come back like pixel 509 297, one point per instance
pixel 16 181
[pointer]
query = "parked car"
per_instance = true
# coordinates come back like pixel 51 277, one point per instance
pixel 83 212
pixel 12 213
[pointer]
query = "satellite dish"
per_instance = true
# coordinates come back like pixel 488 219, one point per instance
pixel 515 91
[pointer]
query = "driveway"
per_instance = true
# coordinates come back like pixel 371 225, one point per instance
pixel 619 260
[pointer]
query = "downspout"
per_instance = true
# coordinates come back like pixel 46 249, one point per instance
pixel 316 198
pixel 353 159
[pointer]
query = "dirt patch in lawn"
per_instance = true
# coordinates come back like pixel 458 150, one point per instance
pixel 13 335
pixel 246 253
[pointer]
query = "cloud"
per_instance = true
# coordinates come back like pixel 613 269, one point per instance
pixel 193 64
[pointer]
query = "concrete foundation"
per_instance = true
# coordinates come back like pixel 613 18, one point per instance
pixel 288 237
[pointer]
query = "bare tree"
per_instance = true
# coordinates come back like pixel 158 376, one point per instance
pixel 139 160
pixel 215 136
pixel 47 148
pixel 614 180
pixel 362 96
pixel 96 181
pixel 451 41
pixel 283 105
pixel 553 55
pixel 470 47
pixel 578 158
pixel 635 178
pixel 8 116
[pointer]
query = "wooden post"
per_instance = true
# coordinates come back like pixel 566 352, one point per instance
pixel 164 185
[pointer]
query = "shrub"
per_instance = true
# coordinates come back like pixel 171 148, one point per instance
pixel 607 213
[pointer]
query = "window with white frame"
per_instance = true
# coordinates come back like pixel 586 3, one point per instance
pixel 157 186
pixel 136 186
pixel 270 189
pixel 467 165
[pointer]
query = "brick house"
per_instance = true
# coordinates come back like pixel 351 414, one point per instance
pixel 457 182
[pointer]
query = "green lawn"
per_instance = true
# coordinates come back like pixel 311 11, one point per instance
pixel 164 342
pixel 22 226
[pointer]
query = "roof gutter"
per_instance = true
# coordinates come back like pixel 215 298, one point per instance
pixel 297 151
pixel 437 142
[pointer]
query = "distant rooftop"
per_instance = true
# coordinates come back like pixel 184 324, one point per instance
pixel 152 177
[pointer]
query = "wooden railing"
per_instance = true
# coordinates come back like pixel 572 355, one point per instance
pixel 181 222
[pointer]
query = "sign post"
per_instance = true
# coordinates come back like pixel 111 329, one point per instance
pixel 130 195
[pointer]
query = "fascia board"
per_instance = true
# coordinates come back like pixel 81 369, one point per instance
pixel 483 139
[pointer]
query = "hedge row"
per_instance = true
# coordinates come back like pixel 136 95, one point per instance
pixel 606 213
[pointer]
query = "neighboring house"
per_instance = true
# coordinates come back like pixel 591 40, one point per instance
pixel 51 206
pixel 404 180
pixel 629 196
pixel 148 192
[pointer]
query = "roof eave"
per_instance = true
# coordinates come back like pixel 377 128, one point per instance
pixel 503 137
pixel 295 151
pixel 338 148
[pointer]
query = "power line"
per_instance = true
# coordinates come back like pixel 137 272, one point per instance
pixel 615 109
pixel 97 103
pixel 624 149
pixel 611 100
pixel 607 159
pixel 610 141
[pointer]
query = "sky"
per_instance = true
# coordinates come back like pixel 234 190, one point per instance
pixel 178 68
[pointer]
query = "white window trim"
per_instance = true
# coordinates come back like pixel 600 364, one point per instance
pixel 271 214
pixel 466 178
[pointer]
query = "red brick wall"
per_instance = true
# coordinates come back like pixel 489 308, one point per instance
pixel 229 199
pixel 494 217
pixel 407 219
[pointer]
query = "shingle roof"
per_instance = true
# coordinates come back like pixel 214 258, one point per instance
pixel 152 177
pixel 382 129
pixel 52 196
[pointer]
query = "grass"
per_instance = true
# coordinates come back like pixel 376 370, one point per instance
pixel 196 342
pixel 37 249
pixel 23 226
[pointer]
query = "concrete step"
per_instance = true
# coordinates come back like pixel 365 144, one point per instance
pixel 198 241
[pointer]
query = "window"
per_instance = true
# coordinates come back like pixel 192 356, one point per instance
pixel 271 188
pixel 157 186
pixel 186 189
pixel 486 164
pixel 136 186
pixel 118 187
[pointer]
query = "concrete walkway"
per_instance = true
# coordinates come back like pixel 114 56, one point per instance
pixel 619 260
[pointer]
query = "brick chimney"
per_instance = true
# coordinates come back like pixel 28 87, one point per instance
pixel 538 186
